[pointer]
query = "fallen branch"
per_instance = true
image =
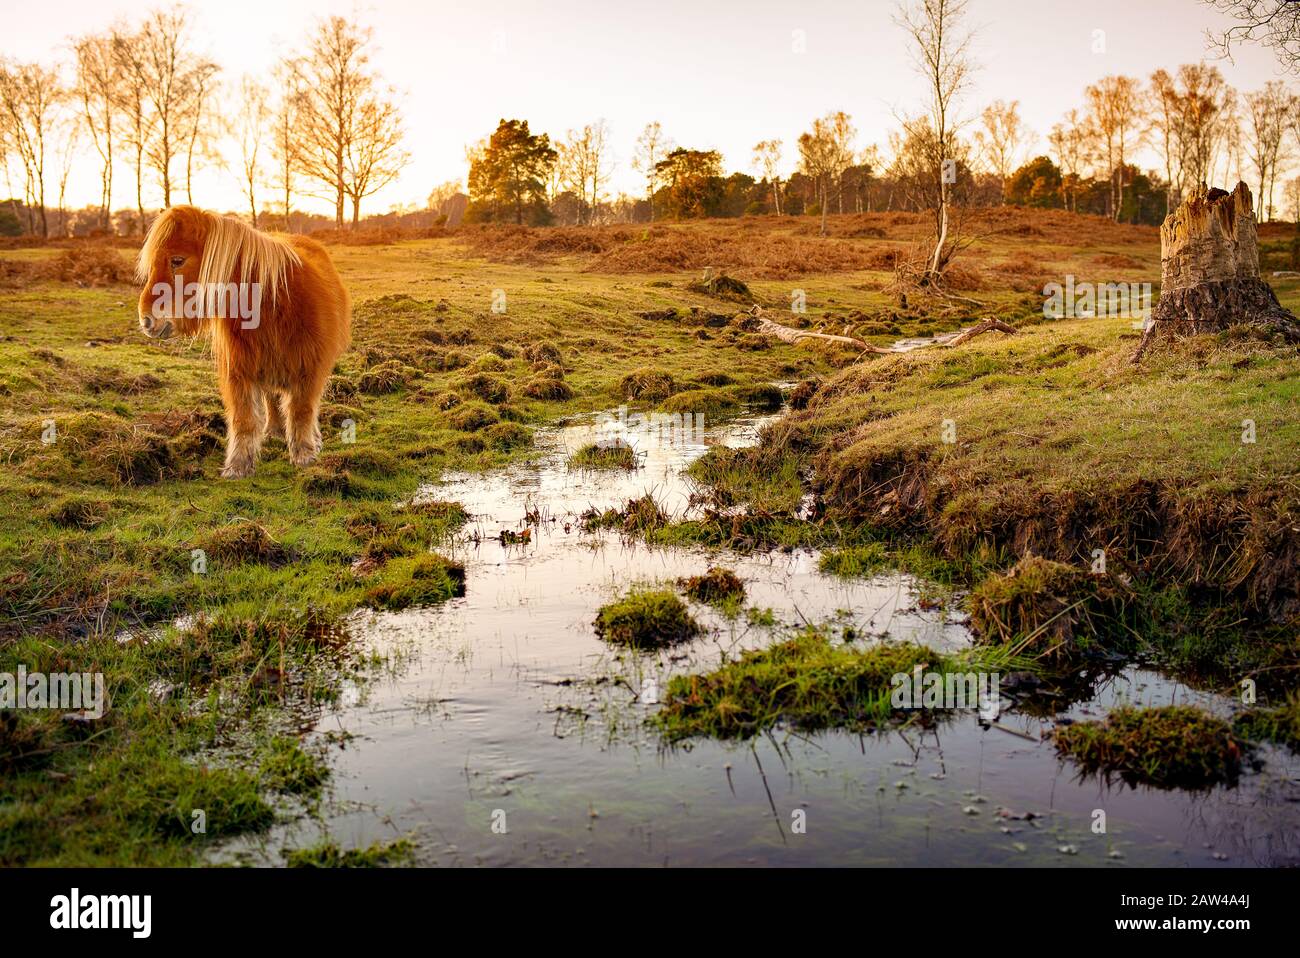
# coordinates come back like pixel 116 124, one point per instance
pixel 979 329
pixel 788 334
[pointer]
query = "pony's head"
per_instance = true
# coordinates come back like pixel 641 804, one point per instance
pixel 196 266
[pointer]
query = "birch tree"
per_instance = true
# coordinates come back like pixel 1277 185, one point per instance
pixel 940 48
pixel 97 89
pixel 767 163
pixel 652 146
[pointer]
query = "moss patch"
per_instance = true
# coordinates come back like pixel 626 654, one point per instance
pixel 1280 725
pixel 806 681
pixel 422 580
pixel 611 454
pixel 646 619
pixel 1173 746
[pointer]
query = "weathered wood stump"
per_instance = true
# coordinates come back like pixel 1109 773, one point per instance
pixel 1209 272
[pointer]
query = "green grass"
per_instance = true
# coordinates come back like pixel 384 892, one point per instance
pixel 102 525
pixel 1174 746
pixel 717 586
pixel 288 768
pixel 329 855
pixel 808 682
pixel 646 619
pixel 1280 724
pixel 855 562
pixel 765 486
pixel 419 581
pixel 596 455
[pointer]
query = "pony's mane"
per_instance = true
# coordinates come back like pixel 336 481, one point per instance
pixel 259 257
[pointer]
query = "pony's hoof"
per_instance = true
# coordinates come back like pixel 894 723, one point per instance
pixel 303 457
pixel 237 470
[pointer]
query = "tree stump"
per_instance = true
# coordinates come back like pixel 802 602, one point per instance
pixel 1209 272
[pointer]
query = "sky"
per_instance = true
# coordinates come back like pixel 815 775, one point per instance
pixel 718 74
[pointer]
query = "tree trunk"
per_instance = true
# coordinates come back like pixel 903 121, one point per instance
pixel 139 186
pixel 1209 272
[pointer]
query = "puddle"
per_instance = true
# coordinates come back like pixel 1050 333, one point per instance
pixel 503 731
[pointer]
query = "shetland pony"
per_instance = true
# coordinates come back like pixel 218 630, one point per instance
pixel 276 311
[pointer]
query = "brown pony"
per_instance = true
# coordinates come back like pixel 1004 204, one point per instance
pixel 277 313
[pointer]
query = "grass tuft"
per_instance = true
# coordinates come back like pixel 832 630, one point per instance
pixel 606 454
pixel 805 681
pixel 1174 746
pixel 718 586
pixel 646 619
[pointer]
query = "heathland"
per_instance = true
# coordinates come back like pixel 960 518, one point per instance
pixel 1075 503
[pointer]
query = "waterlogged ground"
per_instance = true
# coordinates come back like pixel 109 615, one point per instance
pixel 501 730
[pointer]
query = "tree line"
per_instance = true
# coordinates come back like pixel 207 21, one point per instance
pixel 153 108
pixel 1197 126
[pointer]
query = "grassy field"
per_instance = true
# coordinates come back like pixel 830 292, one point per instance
pixel 960 461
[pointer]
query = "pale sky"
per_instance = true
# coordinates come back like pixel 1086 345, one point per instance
pixel 718 74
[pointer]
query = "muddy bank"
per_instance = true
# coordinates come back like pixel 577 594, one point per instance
pixel 1041 445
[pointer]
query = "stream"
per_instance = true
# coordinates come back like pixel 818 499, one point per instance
pixel 500 730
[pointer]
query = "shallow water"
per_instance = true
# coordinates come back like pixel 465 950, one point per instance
pixel 503 731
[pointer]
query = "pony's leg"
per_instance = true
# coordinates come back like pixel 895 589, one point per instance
pixel 275 423
pixel 246 419
pixel 303 428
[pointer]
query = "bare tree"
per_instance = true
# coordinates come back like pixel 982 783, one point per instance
pixel 333 82
pixel 1208 104
pixel 68 135
pixel 1274 23
pixel 583 167
pixel 767 161
pixel 284 135
pixel 825 152
pixel 251 128
pixel 98 92
pixel 1115 105
pixel 199 84
pixel 29 97
pixel 1291 193
pixel 374 154
pixel 941 51
pixel 651 148
pixel 1001 139
pixel 1232 149
pixel 132 104
pixel 441 195
pixel 1166 132
pixel 1269 113
pixel 174 84
pixel 1070 141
